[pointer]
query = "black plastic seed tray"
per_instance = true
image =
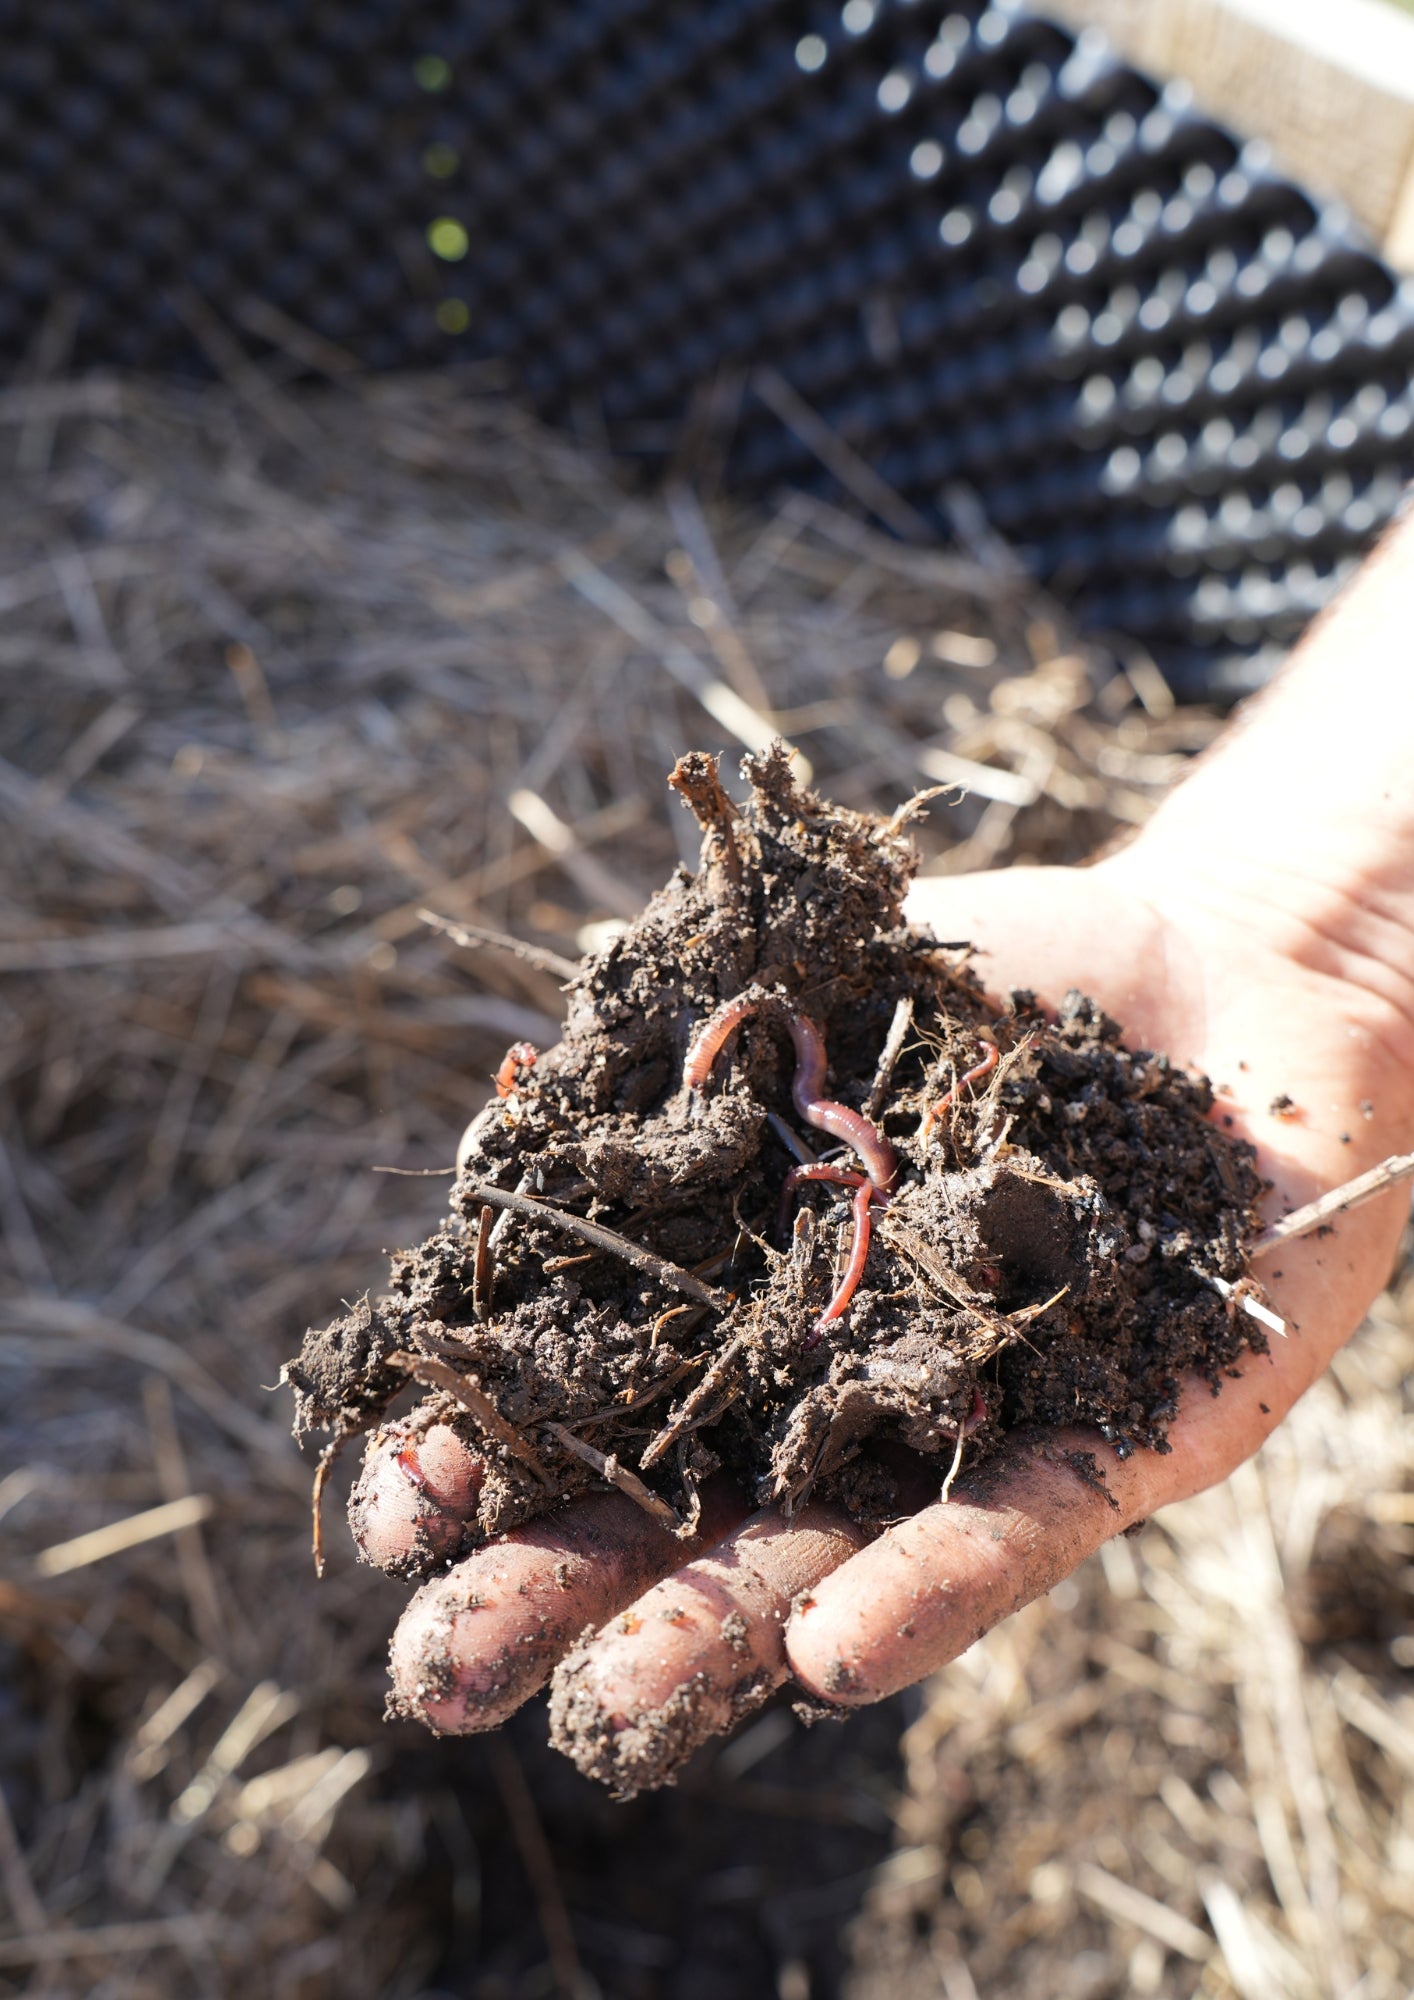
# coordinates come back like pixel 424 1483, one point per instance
pixel 991 257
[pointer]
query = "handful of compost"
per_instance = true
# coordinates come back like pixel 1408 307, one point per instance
pixel 791 1201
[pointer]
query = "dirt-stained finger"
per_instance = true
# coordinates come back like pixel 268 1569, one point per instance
pixel 412 1500
pixel 695 1654
pixel 474 1644
pixel 923 1592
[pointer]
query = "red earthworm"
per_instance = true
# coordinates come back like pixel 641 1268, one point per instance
pixel 977 1415
pixel 949 1097
pixel 520 1055
pixel 807 1090
pixel 814 1170
pixel 854 1269
pixel 707 1043
pixel 879 1160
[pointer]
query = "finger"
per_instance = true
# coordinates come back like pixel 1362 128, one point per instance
pixel 935 1583
pixel 474 1644
pixel 413 1499
pixel 696 1653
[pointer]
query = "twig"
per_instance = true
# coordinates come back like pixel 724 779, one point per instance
pixel 693 1411
pixel 651 1393
pixel 698 782
pixel 472 937
pixel 795 1146
pixel 466 1390
pixel 889 1055
pixel 1389 1173
pixel 1253 1307
pixel 671 1275
pixel 245 377
pixel 184 1933
pixel 316 1502
pixel 598 882
pixel 956 1466
pixel 607 1466
pixel 706 577
pixel 802 1240
pixel 483 1271
pixel 936 569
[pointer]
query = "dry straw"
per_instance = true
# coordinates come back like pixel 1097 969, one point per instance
pixel 282 671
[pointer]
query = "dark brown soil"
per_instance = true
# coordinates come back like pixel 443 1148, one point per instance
pixel 1048 1247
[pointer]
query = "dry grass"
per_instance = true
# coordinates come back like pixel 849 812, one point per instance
pixel 280 671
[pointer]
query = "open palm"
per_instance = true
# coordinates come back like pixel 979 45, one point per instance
pixel 1257 994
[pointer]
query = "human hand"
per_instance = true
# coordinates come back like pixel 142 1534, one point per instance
pixel 1262 929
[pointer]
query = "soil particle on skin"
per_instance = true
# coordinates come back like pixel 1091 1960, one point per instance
pixel 642 1752
pixel 736 1633
pixel 1045 1256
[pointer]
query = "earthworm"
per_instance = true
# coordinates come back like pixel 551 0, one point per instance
pixel 977 1415
pixel 877 1156
pixel 520 1055
pixel 854 1269
pixel 815 1170
pixel 949 1097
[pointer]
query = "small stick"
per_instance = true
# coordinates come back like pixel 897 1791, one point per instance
pixel 467 1391
pixel 691 1413
pixel 473 937
pixel 1252 1307
pixel 889 1055
pixel 802 1240
pixel 607 1466
pixel 956 1466
pixel 321 1480
pixel 698 782
pixel 673 1312
pixel 671 1275
pixel 788 1139
pixel 483 1271
pixel 1389 1173
pixel 503 1220
pixel 648 1395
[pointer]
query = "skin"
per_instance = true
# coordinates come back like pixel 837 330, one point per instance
pixel 1261 928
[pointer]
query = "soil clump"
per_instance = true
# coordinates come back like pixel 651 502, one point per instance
pixel 615 1293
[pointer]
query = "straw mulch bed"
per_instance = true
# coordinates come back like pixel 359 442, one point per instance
pixel 280 671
